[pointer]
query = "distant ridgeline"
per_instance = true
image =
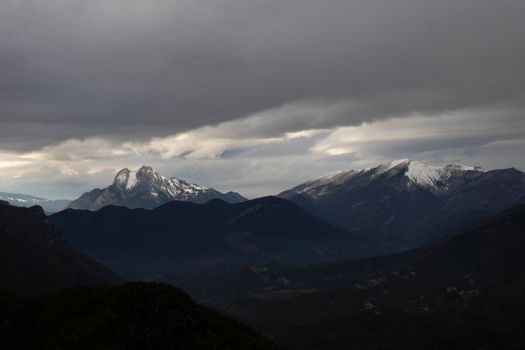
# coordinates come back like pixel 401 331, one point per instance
pixel 24 200
pixel 182 238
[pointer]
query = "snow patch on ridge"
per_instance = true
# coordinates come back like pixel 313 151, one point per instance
pixel 434 177
pixel 426 175
pixel 131 180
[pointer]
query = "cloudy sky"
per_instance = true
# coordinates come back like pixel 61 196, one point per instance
pixel 254 95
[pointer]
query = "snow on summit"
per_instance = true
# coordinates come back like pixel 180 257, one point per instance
pixel 422 174
pixel 432 176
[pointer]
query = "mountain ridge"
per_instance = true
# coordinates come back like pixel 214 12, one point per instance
pixel 409 202
pixel 27 201
pixel 181 238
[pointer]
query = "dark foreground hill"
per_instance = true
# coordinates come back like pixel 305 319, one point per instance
pixel 464 292
pixel 181 238
pixel 34 256
pixel 131 316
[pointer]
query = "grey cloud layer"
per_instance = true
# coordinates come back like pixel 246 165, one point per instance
pixel 139 69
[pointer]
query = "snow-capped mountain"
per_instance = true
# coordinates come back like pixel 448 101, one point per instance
pixel 409 201
pixel 436 179
pixel 24 200
pixel 145 188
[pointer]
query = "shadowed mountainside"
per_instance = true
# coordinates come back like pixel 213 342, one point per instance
pixel 463 292
pixel 34 256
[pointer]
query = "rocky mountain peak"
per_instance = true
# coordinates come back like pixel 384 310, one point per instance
pixel 146 171
pixel 122 178
pixel 145 188
pixel 126 179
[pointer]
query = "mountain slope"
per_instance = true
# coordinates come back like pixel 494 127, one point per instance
pixel 34 256
pixel 145 188
pixel 131 316
pixel 23 200
pixel 409 202
pixel 181 238
pixel 463 292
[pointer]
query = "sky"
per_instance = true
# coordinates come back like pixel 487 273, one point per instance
pixel 254 96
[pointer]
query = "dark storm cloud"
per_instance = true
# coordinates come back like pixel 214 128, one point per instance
pixel 136 69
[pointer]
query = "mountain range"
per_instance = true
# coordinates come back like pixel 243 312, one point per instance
pixel 23 200
pixel 182 238
pixel 146 188
pixel 409 202
pixel 316 268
